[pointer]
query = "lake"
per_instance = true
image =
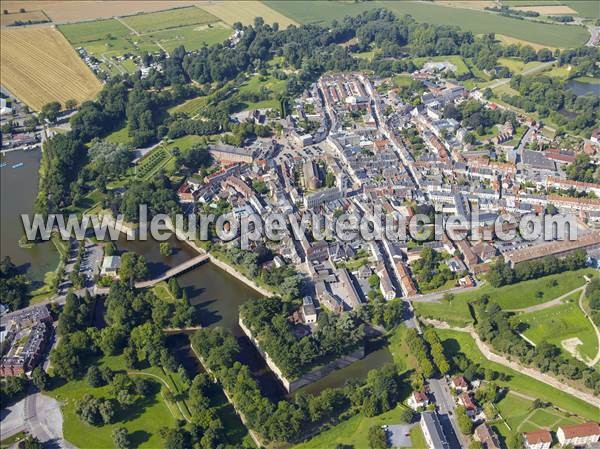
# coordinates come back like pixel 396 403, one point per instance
pixel 580 88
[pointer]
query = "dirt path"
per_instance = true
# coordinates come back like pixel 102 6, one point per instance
pixel 547 304
pixel 126 25
pixel 528 371
pixel 597 358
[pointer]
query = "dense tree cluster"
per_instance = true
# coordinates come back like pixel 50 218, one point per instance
pixel 476 116
pixel 288 420
pixel 430 270
pixel 95 411
pixel 267 319
pixel 13 286
pixel 495 326
pixel 548 97
pixel 593 293
pixel 582 169
pixel 502 273
pixel 108 160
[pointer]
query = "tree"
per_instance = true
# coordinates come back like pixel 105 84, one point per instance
pixel 40 378
pixel 120 437
pixel 377 438
pixel 165 249
pixel 94 377
pixel 30 442
pixel 71 103
pixel 464 422
pixel 133 267
pixel 476 445
pixel 50 111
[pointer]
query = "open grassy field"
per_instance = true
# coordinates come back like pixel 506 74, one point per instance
pixel 173 18
pixel 143 420
pixel 119 136
pixel 192 37
pixel 455 341
pixel 82 32
pixel 516 65
pixel 516 296
pixel 519 415
pixel 355 432
pixel 478 22
pixel 79 10
pixel 38 65
pixel 259 83
pixel 559 323
pixel 585 8
pixel 245 12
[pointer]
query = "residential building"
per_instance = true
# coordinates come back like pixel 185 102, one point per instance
pixel 459 383
pixel 578 434
pixel 433 431
pixel 538 439
pixel 487 437
pixel 418 400
pixel 309 312
pixel 110 266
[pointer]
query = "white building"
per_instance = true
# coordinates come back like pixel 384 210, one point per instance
pixel 579 434
pixel 538 439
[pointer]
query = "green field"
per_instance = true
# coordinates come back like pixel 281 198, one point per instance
pixel 119 136
pixel 355 431
pixel 518 414
pixel 80 33
pixel 143 420
pixel 173 18
pixel 259 83
pixel 559 323
pixel 585 8
pixel 191 27
pixel 510 297
pixel 455 341
pixel 478 22
pixel 516 65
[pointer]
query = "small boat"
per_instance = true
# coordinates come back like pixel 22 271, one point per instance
pixel 20 164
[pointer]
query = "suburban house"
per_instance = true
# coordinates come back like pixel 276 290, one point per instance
pixel 309 313
pixel 538 439
pixel 417 400
pixel 468 403
pixel 459 383
pixel 578 434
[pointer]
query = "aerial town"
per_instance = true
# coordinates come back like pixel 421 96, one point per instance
pixel 441 334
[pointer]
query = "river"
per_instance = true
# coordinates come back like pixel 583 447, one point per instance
pixel 18 191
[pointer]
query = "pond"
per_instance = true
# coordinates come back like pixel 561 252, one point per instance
pixel 580 88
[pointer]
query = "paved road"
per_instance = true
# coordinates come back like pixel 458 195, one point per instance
pixel 446 405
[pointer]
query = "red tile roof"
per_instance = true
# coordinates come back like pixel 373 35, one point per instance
pixel 538 436
pixel 581 430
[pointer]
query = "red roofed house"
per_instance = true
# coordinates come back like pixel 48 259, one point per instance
pixel 185 193
pixel 468 403
pixel 417 400
pixel 459 383
pixel 538 439
pixel 579 434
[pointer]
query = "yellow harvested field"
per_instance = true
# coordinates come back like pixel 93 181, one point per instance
pixel 15 16
pixel 245 12
pixel 511 40
pixel 38 65
pixel 80 10
pixel 548 9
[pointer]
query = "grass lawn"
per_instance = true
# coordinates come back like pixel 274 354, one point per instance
pixel 516 65
pixel 82 32
pixel 192 37
pixel 190 107
pixel 455 342
pixel 559 323
pixel 402 80
pixel 119 136
pixel 559 72
pixel 355 431
pixel 143 419
pixel 257 84
pixel 515 296
pixel 402 356
pixel 173 18
pixel 161 290
pixel 368 55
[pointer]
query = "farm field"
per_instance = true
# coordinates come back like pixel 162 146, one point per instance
pixel 559 323
pixel 245 12
pixel 38 65
pixel 585 8
pixel 478 22
pixel 516 296
pixel 15 16
pixel 80 10
pixel 173 18
pixel 455 341
pixel 191 27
